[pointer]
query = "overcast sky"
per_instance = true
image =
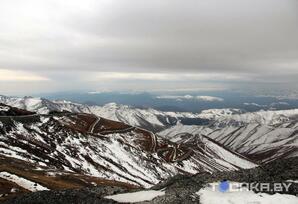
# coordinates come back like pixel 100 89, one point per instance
pixel 55 45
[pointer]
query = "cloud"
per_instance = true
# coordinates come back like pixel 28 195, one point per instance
pixel 209 98
pixel 254 104
pixel 12 75
pixel 187 97
pixel 77 43
pixel 279 103
pixel 174 76
pixel 274 104
pixel 190 97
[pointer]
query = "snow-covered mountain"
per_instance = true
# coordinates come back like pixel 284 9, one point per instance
pixel 262 135
pixel 151 117
pixel 67 144
pixel 11 111
pixel 270 117
pixel 146 118
pixel 28 103
pixel 90 145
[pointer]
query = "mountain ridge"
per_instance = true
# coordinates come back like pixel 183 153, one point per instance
pixel 94 146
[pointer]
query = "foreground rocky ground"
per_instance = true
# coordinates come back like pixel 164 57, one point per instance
pixel 178 189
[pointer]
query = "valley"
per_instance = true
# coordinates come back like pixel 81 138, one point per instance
pixel 64 145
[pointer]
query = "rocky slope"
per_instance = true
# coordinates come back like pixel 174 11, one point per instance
pixel 188 189
pixel 57 150
pixel 262 136
pixel 152 119
pixel 95 147
pixel 11 111
pixel 257 140
pixel 145 118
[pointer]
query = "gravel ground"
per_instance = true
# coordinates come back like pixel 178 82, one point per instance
pixel 178 189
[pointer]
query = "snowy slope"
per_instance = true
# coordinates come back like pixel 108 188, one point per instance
pixel 4 108
pixel 270 117
pixel 151 117
pixel 258 141
pixel 218 113
pixel 145 118
pixel 262 135
pixel 26 103
pixel 29 185
pixel 85 144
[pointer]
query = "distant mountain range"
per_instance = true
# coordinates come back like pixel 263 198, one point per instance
pixel 261 136
pixel 146 118
pixel 185 101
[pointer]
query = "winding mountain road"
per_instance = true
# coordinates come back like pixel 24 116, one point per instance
pixel 92 127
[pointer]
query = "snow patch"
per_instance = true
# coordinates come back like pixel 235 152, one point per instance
pixel 140 196
pixel 4 108
pixel 29 185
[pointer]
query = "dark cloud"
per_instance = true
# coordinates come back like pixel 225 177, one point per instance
pixel 70 40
